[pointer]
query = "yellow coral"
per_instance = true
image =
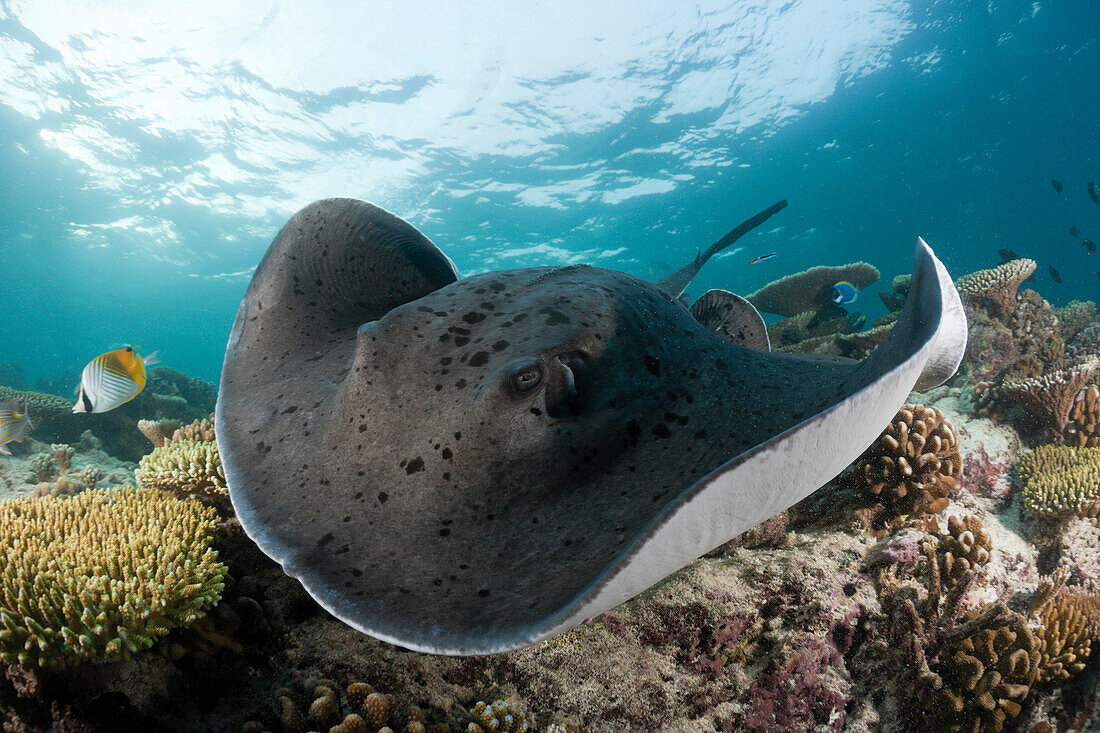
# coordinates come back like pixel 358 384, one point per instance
pixel 966 546
pixel 1069 624
pixel 197 430
pixel 101 575
pixel 1061 481
pixel 184 467
pixel 499 717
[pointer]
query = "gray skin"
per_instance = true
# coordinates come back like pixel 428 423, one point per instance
pixel 468 466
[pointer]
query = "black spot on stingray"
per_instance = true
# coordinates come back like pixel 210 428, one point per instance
pixel 445 361
pixel 536 411
pixel 497 287
pixel 488 306
pixel 446 454
pixel 519 317
pixel 292 408
pixel 444 532
pixel 483 592
pixel 458 436
pixel 473 317
pixel 444 337
pixel 459 331
pixel 329 537
pixel 652 365
pixel 461 340
pixel 415 465
pixel 662 431
pixel 358 494
pixel 554 317
pixel 357 572
pixel 460 384
pixel 481 358
pixel 500 346
pixel 633 429
pixel 382 496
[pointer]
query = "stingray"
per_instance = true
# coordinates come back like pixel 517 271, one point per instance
pixel 471 465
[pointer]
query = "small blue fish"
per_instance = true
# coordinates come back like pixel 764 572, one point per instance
pixel 845 292
pixel 14 425
pixel 761 258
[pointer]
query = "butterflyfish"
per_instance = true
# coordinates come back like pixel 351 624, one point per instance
pixel 14 425
pixel 112 379
pixel 845 292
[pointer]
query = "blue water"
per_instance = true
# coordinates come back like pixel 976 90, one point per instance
pixel 148 157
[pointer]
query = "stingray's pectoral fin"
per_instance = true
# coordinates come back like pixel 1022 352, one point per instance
pixel 732 318
pixel 924 349
pixel 336 264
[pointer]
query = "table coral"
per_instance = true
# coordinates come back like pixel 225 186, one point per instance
pixel 101 575
pixel 799 292
pixel 914 463
pixel 1061 481
pixel 996 288
pixel 1083 430
pixel 1050 398
pixel 184 467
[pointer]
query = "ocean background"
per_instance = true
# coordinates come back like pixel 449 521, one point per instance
pixel 148 155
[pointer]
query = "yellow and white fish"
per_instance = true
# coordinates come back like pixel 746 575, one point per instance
pixel 112 379
pixel 14 425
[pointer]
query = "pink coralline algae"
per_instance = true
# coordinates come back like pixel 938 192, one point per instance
pixel 984 476
pixel 808 692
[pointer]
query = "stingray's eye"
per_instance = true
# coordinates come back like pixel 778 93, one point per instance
pixel 526 376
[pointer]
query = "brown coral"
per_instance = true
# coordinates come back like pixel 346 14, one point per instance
pixel 1083 430
pixel 914 463
pixel 966 547
pixel 498 717
pixel 800 292
pixel 1075 317
pixel 1051 397
pixel 996 288
pixel 158 431
pixel 199 430
pixel 184 467
pixel 1067 628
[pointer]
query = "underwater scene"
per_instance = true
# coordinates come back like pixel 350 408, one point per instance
pixel 554 367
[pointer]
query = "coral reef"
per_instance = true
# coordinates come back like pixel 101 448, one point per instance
pixel 995 289
pixel 1075 317
pixel 799 293
pixel 62 456
pixel 1083 430
pixel 61 487
pixel 1067 626
pixel 1050 398
pixel 1061 481
pixel 199 430
pixel 158 431
pixel 52 415
pixel 184 467
pixel 1086 343
pixel 101 575
pixel 913 464
pixel 497 717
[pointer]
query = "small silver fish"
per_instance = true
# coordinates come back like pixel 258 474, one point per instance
pixel 14 425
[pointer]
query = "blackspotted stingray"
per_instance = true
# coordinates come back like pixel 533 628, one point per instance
pixel 467 466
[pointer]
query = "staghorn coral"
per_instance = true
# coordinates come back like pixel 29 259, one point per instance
pixel 101 575
pixel 184 467
pixel 158 431
pixel 43 467
pixel 965 547
pixel 995 289
pixel 498 717
pixel 63 456
pixel 913 464
pixel 1075 317
pixel 1061 481
pixel 199 430
pixel 1083 430
pixel 1050 398
pixel 799 292
pixel 1066 630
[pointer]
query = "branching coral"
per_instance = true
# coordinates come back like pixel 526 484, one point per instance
pixel 965 547
pixel 1061 481
pixel 62 487
pixel 914 463
pixel 43 467
pixel 200 430
pixel 996 288
pixel 498 717
pixel 1068 626
pixel 184 467
pixel 798 293
pixel 1084 418
pixel 1075 317
pixel 158 431
pixel 358 709
pixel 101 575
pixel 63 456
pixel 1051 397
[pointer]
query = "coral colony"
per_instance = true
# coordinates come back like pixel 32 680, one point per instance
pixel 949 580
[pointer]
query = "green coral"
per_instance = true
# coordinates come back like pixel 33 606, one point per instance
pixel 184 467
pixel 1061 481
pixel 102 575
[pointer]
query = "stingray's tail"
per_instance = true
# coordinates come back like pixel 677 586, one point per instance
pixel 676 283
